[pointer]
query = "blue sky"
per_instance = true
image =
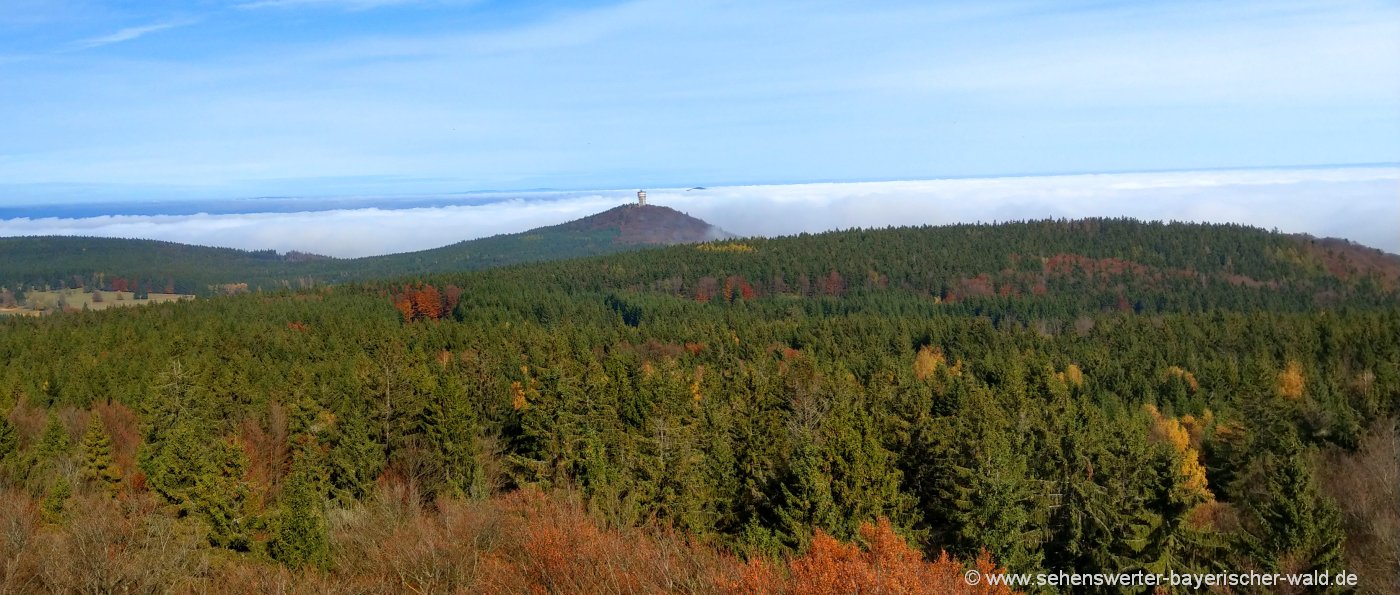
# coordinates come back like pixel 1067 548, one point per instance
pixel 105 100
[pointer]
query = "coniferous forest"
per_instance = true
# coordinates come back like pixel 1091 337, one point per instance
pixel 855 411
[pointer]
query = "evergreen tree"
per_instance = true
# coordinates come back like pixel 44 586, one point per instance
pixel 54 441
pixel 53 508
pixel 354 459
pixel 220 496
pixel 175 463
pixel 48 457
pixel 806 499
pixel 986 488
pixel 1294 527
pixel 98 465
pixel 10 461
pixel 9 441
pixel 300 537
pixel 448 425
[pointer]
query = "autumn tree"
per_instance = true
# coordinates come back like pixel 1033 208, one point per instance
pixel 1290 380
pixel 883 564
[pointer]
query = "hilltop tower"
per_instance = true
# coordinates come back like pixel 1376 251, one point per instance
pixel 641 198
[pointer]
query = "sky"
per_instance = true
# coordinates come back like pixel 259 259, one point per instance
pixel 172 105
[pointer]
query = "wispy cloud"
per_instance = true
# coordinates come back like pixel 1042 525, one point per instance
pixel 129 34
pixel 681 92
pixel 343 4
pixel 1354 203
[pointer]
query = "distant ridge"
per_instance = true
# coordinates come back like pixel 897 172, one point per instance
pixel 1322 269
pixel 72 261
pixel 648 224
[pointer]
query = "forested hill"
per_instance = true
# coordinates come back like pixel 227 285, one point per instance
pixel 1029 270
pixel 647 224
pixel 146 265
pixel 744 416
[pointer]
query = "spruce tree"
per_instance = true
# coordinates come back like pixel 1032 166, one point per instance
pixel 1295 527
pixel 448 424
pixel 98 465
pixel 54 442
pixel 806 498
pixel 53 507
pixel 175 463
pixel 300 538
pixel 9 450
pixel 354 460
pixel 9 440
pixel 220 495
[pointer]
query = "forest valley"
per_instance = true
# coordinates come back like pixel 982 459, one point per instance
pixel 870 411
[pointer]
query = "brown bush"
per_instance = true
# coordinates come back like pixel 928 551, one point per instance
pixel 1366 484
pixel 523 542
pixel 106 547
pixel 886 565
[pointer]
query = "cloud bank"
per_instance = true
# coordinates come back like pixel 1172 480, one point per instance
pixel 1361 204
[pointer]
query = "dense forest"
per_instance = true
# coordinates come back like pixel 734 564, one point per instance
pixel 866 410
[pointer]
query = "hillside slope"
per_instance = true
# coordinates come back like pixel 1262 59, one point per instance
pixel 36 262
pixel 1082 396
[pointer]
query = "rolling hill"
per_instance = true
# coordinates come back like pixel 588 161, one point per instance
pixel 972 390
pixel 37 262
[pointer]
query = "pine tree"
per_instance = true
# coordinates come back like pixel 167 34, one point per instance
pixel 54 442
pixel 1295 527
pixel 98 465
pixel 220 495
pixel 53 508
pixel 175 463
pixel 355 458
pixel 9 439
pixel 448 423
pixel 300 538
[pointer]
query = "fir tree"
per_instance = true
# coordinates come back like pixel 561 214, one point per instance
pixel 98 465
pixel 9 440
pixel 354 460
pixel 1295 527
pixel 54 442
pixel 53 507
pixel 448 424
pixel 220 495
pixel 300 538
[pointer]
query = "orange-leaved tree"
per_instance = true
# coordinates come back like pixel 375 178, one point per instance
pixel 886 564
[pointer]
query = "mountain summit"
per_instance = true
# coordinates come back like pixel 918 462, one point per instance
pixel 646 224
pixel 95 263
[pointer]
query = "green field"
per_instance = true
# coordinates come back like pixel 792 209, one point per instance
pixel 38 302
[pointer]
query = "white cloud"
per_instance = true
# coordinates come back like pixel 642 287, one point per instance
pixel 1360 204
pixel 346 4
pixel 344 233
pixel 129 34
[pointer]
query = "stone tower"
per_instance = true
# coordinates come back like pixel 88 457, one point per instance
pixel 641 198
